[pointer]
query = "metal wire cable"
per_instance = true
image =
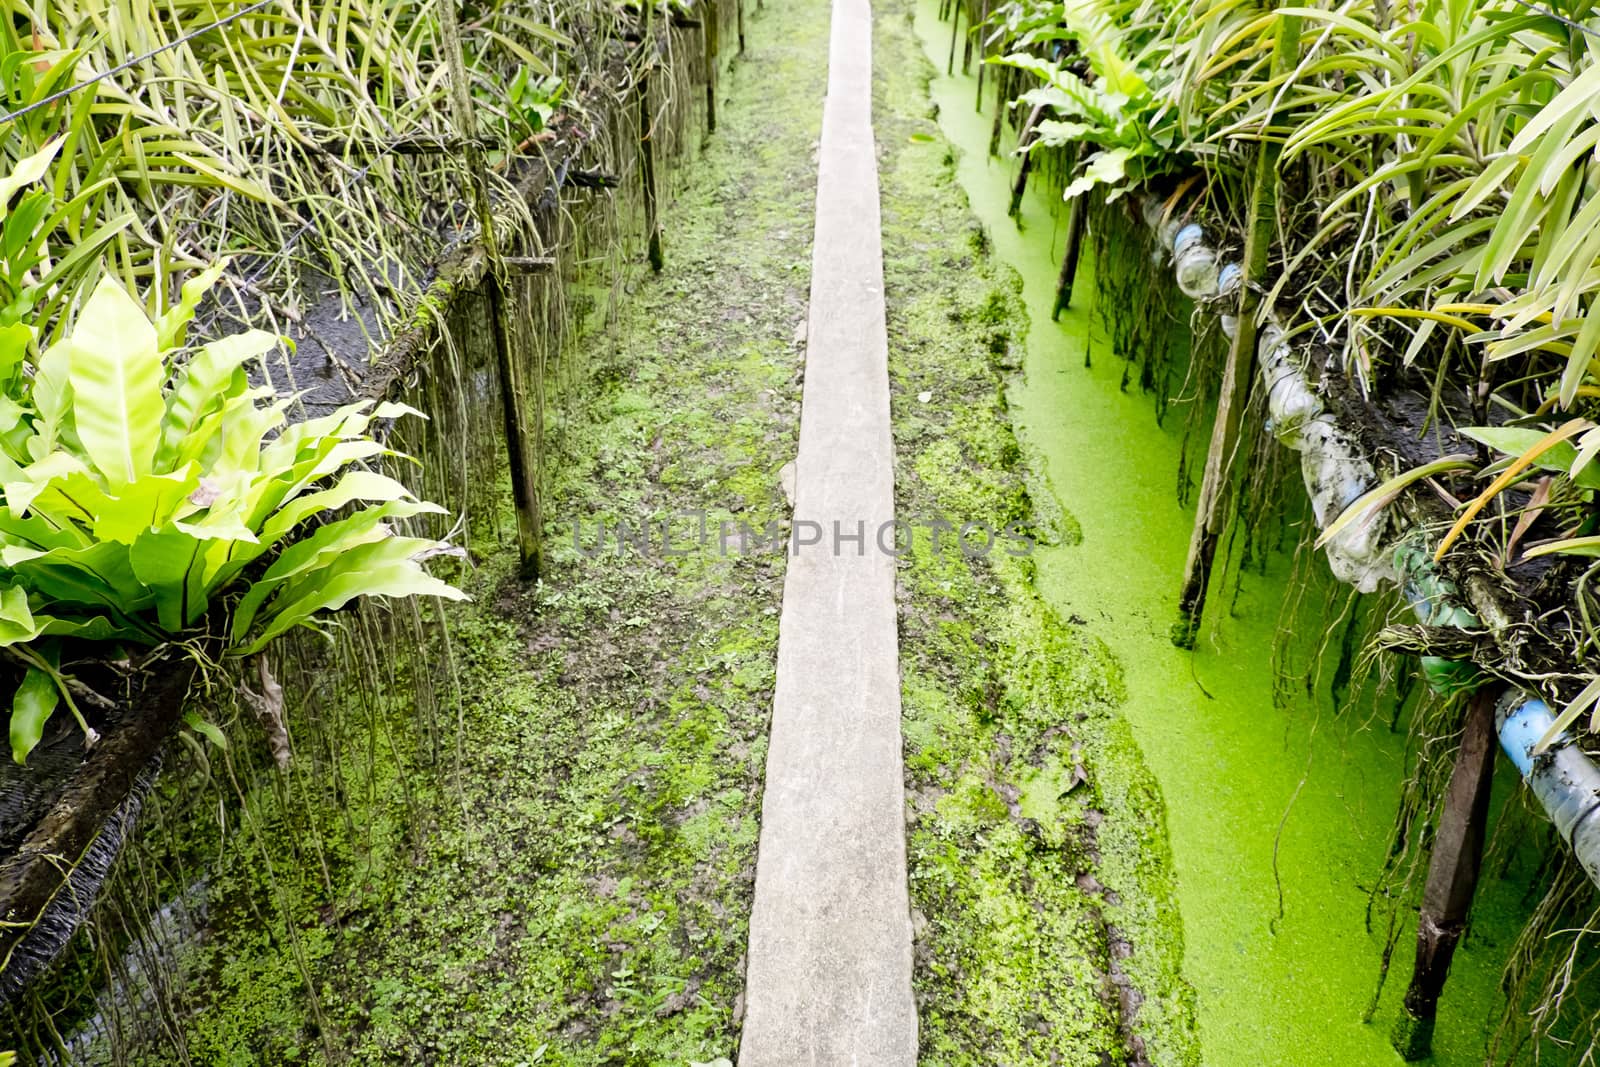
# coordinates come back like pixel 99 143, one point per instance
pixel 62 94
pixel 1547 13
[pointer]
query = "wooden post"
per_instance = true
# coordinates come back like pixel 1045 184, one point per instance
pixel 1076 224
pixel 647 171
pixel 1003 82
pixel 740 11
pixel 711 33
pixel 1021 185
pixel 524 481
pixel 1259 226
pixel 525 495
pixel 1452 877
pixel 1077 219
pixel 955 35
pixel 537 479
pixel 977 103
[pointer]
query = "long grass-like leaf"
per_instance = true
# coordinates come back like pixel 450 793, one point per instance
pixel 1521 463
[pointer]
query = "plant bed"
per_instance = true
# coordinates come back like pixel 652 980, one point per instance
pixel 413 327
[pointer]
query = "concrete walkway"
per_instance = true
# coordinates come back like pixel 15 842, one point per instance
pixel 829 967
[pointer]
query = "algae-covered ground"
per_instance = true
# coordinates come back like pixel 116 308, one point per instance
pixel 569 883
pixel 1037 849
pixel 569 879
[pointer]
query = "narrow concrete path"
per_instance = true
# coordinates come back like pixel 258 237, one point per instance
pixel 829 968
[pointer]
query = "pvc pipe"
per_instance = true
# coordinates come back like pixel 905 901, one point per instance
pixel 1564 779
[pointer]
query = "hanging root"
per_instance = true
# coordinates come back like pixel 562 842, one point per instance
pixel 1553 960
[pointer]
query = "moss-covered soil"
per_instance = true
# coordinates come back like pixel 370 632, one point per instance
pixel 533 840
pixel 563 875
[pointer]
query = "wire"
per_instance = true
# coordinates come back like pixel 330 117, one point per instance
pixel 62 94
pixel 1547 13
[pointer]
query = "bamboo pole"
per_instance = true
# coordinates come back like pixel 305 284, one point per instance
pixel 524 478
pixel 1452 877
pixel 1225 436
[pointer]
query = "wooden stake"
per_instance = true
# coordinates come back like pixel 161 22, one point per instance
pixel 536 500
pixel 525 495
pixel 1003 82
pixel 740 12
pixel 647 174
pixel 1236 373
pixel 524 480
pixel 977 103
pixel 1452 877
pixel 1021 184
pixel 955 35
pixel 713 26
pixel 1076 224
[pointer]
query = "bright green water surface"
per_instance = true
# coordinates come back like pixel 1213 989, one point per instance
pixel 1233 767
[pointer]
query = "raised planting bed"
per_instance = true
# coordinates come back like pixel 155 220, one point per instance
pixel 355 235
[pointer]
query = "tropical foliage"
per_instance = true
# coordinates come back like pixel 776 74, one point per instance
pixel 1454 145
pixel 294 135
pixel 142 480
pixel 1432 256
pixel 1442 229
pixel 150 490
pixel 1097 92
